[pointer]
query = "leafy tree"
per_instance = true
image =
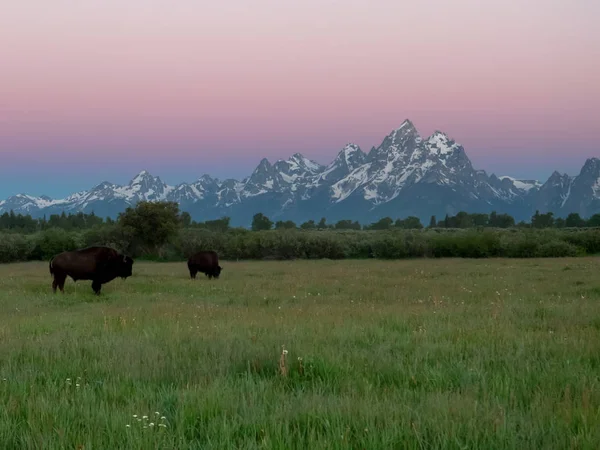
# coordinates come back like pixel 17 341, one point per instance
pixel 186 219
pixel 322 224
pixel 151 224
pixel 382 224
pixel 574 220
pixel 261 222
pixel 480 220
pixel 594 221
pixel 287 225
pixel 308 225
pixel 410 223
pixel 542 220
pixel 219 225
pixel 501 220
pixel 432 222
pixel 347 225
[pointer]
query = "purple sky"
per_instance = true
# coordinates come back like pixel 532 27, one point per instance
pixel 99 90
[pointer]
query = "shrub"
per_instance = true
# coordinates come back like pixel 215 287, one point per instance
pixel 14 247
pixel 49 243
pixel 557 249
pixel 240 244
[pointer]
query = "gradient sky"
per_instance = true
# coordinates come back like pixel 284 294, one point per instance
pixel 101 89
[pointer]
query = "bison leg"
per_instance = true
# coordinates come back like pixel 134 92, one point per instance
pixel 96 286
pixel 193 273
pixel 59 281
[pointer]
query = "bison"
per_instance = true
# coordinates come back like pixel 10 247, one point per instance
pixel 206 262
pixel 99 264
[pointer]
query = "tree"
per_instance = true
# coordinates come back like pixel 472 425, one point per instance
pixel 322 224
pixel 574 220
pixel 186 219
pixel 347 225
pixel 382 224
pixel 594 221
pixel 284 225
pixel 501 220
pixel 309 225
pixel 542 220
pixel 219 225
pixel 410 223
pixel 261 222
pixel 432 222
pixel 151 224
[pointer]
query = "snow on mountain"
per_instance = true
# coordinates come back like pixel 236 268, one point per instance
pixel 405 175
pixel 523 185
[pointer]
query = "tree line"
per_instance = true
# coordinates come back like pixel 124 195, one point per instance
pixel 158 230
pixel 260 222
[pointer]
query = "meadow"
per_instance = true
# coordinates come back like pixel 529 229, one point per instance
pixel 307 354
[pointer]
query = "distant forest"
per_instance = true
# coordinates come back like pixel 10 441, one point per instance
pixel 10 221
pixel 160 231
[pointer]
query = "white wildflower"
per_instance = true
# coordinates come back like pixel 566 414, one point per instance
pixel 151 424
pixel 128 426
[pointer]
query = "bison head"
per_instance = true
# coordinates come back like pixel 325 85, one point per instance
pixel 124 266
pixel 217 271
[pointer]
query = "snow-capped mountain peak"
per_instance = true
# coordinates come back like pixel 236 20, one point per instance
pixel 522 185
pixel 404 175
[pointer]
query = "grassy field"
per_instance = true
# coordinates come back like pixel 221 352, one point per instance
pixel 453 354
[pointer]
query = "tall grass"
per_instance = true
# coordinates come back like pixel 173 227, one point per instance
pixel 494 354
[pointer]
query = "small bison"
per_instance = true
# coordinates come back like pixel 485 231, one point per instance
pixel 99 264
pixel 206 262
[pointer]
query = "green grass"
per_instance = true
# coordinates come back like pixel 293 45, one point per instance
pixel 419 354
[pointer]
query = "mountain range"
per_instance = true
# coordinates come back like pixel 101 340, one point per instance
pixel 406 175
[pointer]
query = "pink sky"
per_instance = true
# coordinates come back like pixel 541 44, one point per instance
pixel 110 87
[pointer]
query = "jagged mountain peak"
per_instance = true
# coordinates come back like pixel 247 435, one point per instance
pixel 143 176
pixel 557 176
pixel 263 165
pixel 439 143
pixel 591 165
pixel 404 175
pixel 300 162
pixel 406 127
pixel 405 131
pixel 403 139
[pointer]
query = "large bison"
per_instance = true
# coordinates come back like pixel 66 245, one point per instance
pixel 99 264
pixel 206 262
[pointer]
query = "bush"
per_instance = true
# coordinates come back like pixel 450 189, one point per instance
pixel 49 243
pixel 557 249
pixel 14 247
pixel 240 244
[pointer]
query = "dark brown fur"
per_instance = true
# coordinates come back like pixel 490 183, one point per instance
pixel 206 262
pixel 99 264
